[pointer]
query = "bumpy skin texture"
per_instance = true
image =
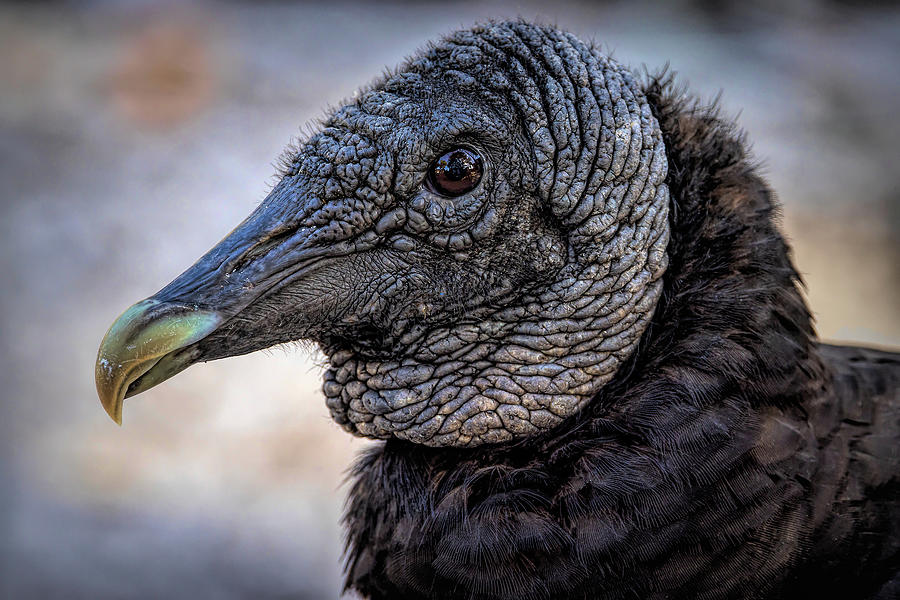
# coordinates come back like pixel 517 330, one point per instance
pixel 457 321
pixel 558 254
pixel 731 456
pixel 612 302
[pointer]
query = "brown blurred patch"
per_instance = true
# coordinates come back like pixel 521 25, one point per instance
pixel 165 75
pixel 851 266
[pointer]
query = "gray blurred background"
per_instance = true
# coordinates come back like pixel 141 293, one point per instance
pixel 133 136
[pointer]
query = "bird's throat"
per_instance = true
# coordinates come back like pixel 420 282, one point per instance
pixel 521 371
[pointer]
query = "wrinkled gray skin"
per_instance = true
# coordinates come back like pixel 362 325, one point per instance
pixel 477 319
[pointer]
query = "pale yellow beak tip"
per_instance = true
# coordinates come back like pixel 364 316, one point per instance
pixel 109 390
pixel 139 339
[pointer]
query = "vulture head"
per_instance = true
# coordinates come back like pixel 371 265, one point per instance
pixel 512 239
pixel 477 242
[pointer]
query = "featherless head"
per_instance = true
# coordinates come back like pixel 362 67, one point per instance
pixel 477 242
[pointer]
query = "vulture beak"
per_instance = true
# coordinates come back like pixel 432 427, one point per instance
pixel 158 337
pixel 141 348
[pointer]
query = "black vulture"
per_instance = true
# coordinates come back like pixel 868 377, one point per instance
pixel 557 291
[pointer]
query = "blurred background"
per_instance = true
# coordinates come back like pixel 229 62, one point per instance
pixel 135 135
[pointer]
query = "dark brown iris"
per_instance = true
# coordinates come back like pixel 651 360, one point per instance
pixel 456 172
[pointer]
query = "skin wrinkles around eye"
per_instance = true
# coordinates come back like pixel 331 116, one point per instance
pixel 452 214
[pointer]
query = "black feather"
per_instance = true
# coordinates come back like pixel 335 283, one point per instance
pixel 734 456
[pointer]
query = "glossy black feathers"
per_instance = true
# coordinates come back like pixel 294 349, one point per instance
pixel 733 456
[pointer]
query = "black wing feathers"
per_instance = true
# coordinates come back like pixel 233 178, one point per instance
pixel 856 488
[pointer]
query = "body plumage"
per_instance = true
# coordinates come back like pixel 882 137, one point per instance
pixel 736 456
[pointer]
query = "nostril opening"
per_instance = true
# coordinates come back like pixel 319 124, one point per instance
pixel 259 249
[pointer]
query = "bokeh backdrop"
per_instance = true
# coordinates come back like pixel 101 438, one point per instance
pixel 135 135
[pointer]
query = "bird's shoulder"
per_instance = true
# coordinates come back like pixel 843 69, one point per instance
pixel 855 488
pixel 858 414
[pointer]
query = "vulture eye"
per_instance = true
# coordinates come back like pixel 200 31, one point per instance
pixel 456 172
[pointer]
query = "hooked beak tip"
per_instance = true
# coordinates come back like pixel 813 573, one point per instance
pixel 139 341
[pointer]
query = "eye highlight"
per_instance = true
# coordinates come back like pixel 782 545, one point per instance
pixel 456 172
